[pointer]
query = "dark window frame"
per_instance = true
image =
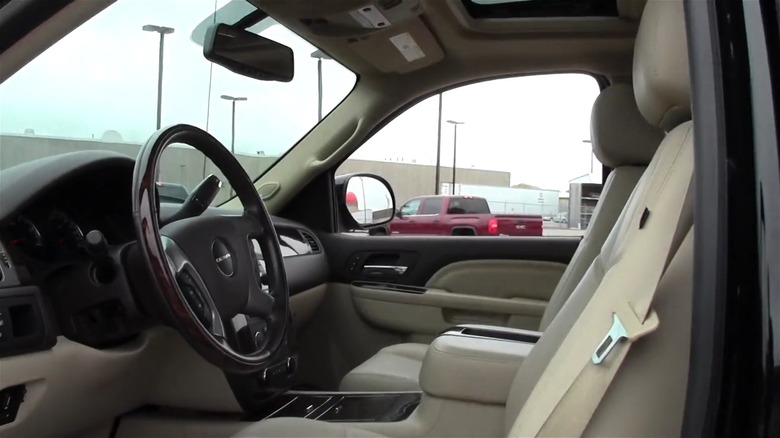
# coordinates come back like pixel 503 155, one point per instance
pixel 542 8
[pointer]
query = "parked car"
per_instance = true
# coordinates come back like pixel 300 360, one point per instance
pixel 560 218
pixel 460 216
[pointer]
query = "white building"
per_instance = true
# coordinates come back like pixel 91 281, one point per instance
pixel 508 199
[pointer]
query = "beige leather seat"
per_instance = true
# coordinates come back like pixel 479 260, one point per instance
pixel 647 396
pixel 622 140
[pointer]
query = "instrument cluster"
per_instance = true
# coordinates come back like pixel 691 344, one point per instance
pixel 46 235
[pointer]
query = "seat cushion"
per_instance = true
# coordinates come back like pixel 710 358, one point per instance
pixel 393 368
pixel 301 427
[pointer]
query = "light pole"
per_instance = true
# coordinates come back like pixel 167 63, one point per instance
pixel 319 55
pixel 162 30
pixel 454 151
pixel 437 189
pixel 590 142
pixel 233 101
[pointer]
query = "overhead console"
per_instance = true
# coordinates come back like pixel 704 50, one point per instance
pixel 361 18
pixel 389 34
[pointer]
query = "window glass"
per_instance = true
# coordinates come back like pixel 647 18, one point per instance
pixel 468 206
pixel 432 206
pixel 410 208
pixel 519 147
pixel 104 94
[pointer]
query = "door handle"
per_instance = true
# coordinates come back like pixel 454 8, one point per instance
pixel 392 270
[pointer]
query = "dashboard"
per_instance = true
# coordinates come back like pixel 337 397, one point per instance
pixel 49 206
pixel 52 228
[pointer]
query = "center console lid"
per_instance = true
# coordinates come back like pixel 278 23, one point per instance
pixel 475 363
pixel 494 332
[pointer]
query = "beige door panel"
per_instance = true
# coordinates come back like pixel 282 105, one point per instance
pixel 73 387
pixel 304 305
pixel 500 278
pixel 337 339
pixel 435 310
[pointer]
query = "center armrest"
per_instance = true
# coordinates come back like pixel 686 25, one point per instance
pixel 496 332
pixel 472 368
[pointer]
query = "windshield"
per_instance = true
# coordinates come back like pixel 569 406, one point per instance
pixel 97 88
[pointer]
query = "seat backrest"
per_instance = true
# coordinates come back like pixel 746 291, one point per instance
pixel 647 395
pixel 624 141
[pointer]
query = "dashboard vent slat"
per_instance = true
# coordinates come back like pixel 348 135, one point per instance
pixel 311 241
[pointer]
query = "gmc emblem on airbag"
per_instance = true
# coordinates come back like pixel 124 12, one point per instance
pixel 222 257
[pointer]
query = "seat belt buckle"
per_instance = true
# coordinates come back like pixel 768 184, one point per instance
pixel 615 334
pixel 631 331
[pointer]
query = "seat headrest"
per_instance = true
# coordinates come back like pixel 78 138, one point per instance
pixel 620 135
pixel 662 84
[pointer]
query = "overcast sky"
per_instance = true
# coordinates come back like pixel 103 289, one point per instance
pixel 103 76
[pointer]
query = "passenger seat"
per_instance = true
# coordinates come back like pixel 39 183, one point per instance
pixel 623 141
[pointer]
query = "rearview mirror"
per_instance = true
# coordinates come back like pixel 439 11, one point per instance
pixel 248 54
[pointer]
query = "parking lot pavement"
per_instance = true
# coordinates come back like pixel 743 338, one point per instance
pixel 560 232
pixel 555 229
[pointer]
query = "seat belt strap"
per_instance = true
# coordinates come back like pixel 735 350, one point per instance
pixel 579 373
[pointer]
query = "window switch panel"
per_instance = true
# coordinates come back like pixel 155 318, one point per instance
pixel 10 400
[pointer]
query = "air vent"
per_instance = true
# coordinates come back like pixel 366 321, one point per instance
pixel 311 241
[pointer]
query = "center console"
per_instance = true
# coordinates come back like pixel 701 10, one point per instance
pixel 472 363
pixel 475 363
pixel 342 407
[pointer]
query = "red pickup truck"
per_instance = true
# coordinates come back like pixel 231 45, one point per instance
pixel 460 216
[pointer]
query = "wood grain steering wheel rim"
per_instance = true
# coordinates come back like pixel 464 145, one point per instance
pixel 204 267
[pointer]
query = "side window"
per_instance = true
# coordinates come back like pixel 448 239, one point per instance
pixel 410 208
pixel 468 205
pixel 432 206
pixel 514 150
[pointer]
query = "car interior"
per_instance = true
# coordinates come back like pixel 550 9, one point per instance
pixel 263 317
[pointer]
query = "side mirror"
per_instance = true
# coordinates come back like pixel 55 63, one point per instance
pixel 248 54
pixel 365 201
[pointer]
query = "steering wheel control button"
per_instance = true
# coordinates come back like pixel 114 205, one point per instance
pixel 4 259
pixel 222 257
pixel 194 299
pixel 259 339
pixel 292 365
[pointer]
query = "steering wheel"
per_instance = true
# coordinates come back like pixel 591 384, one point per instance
pixel 205 268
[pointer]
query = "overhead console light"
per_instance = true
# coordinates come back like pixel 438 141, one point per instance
pixel 365 20
pixel 370 17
